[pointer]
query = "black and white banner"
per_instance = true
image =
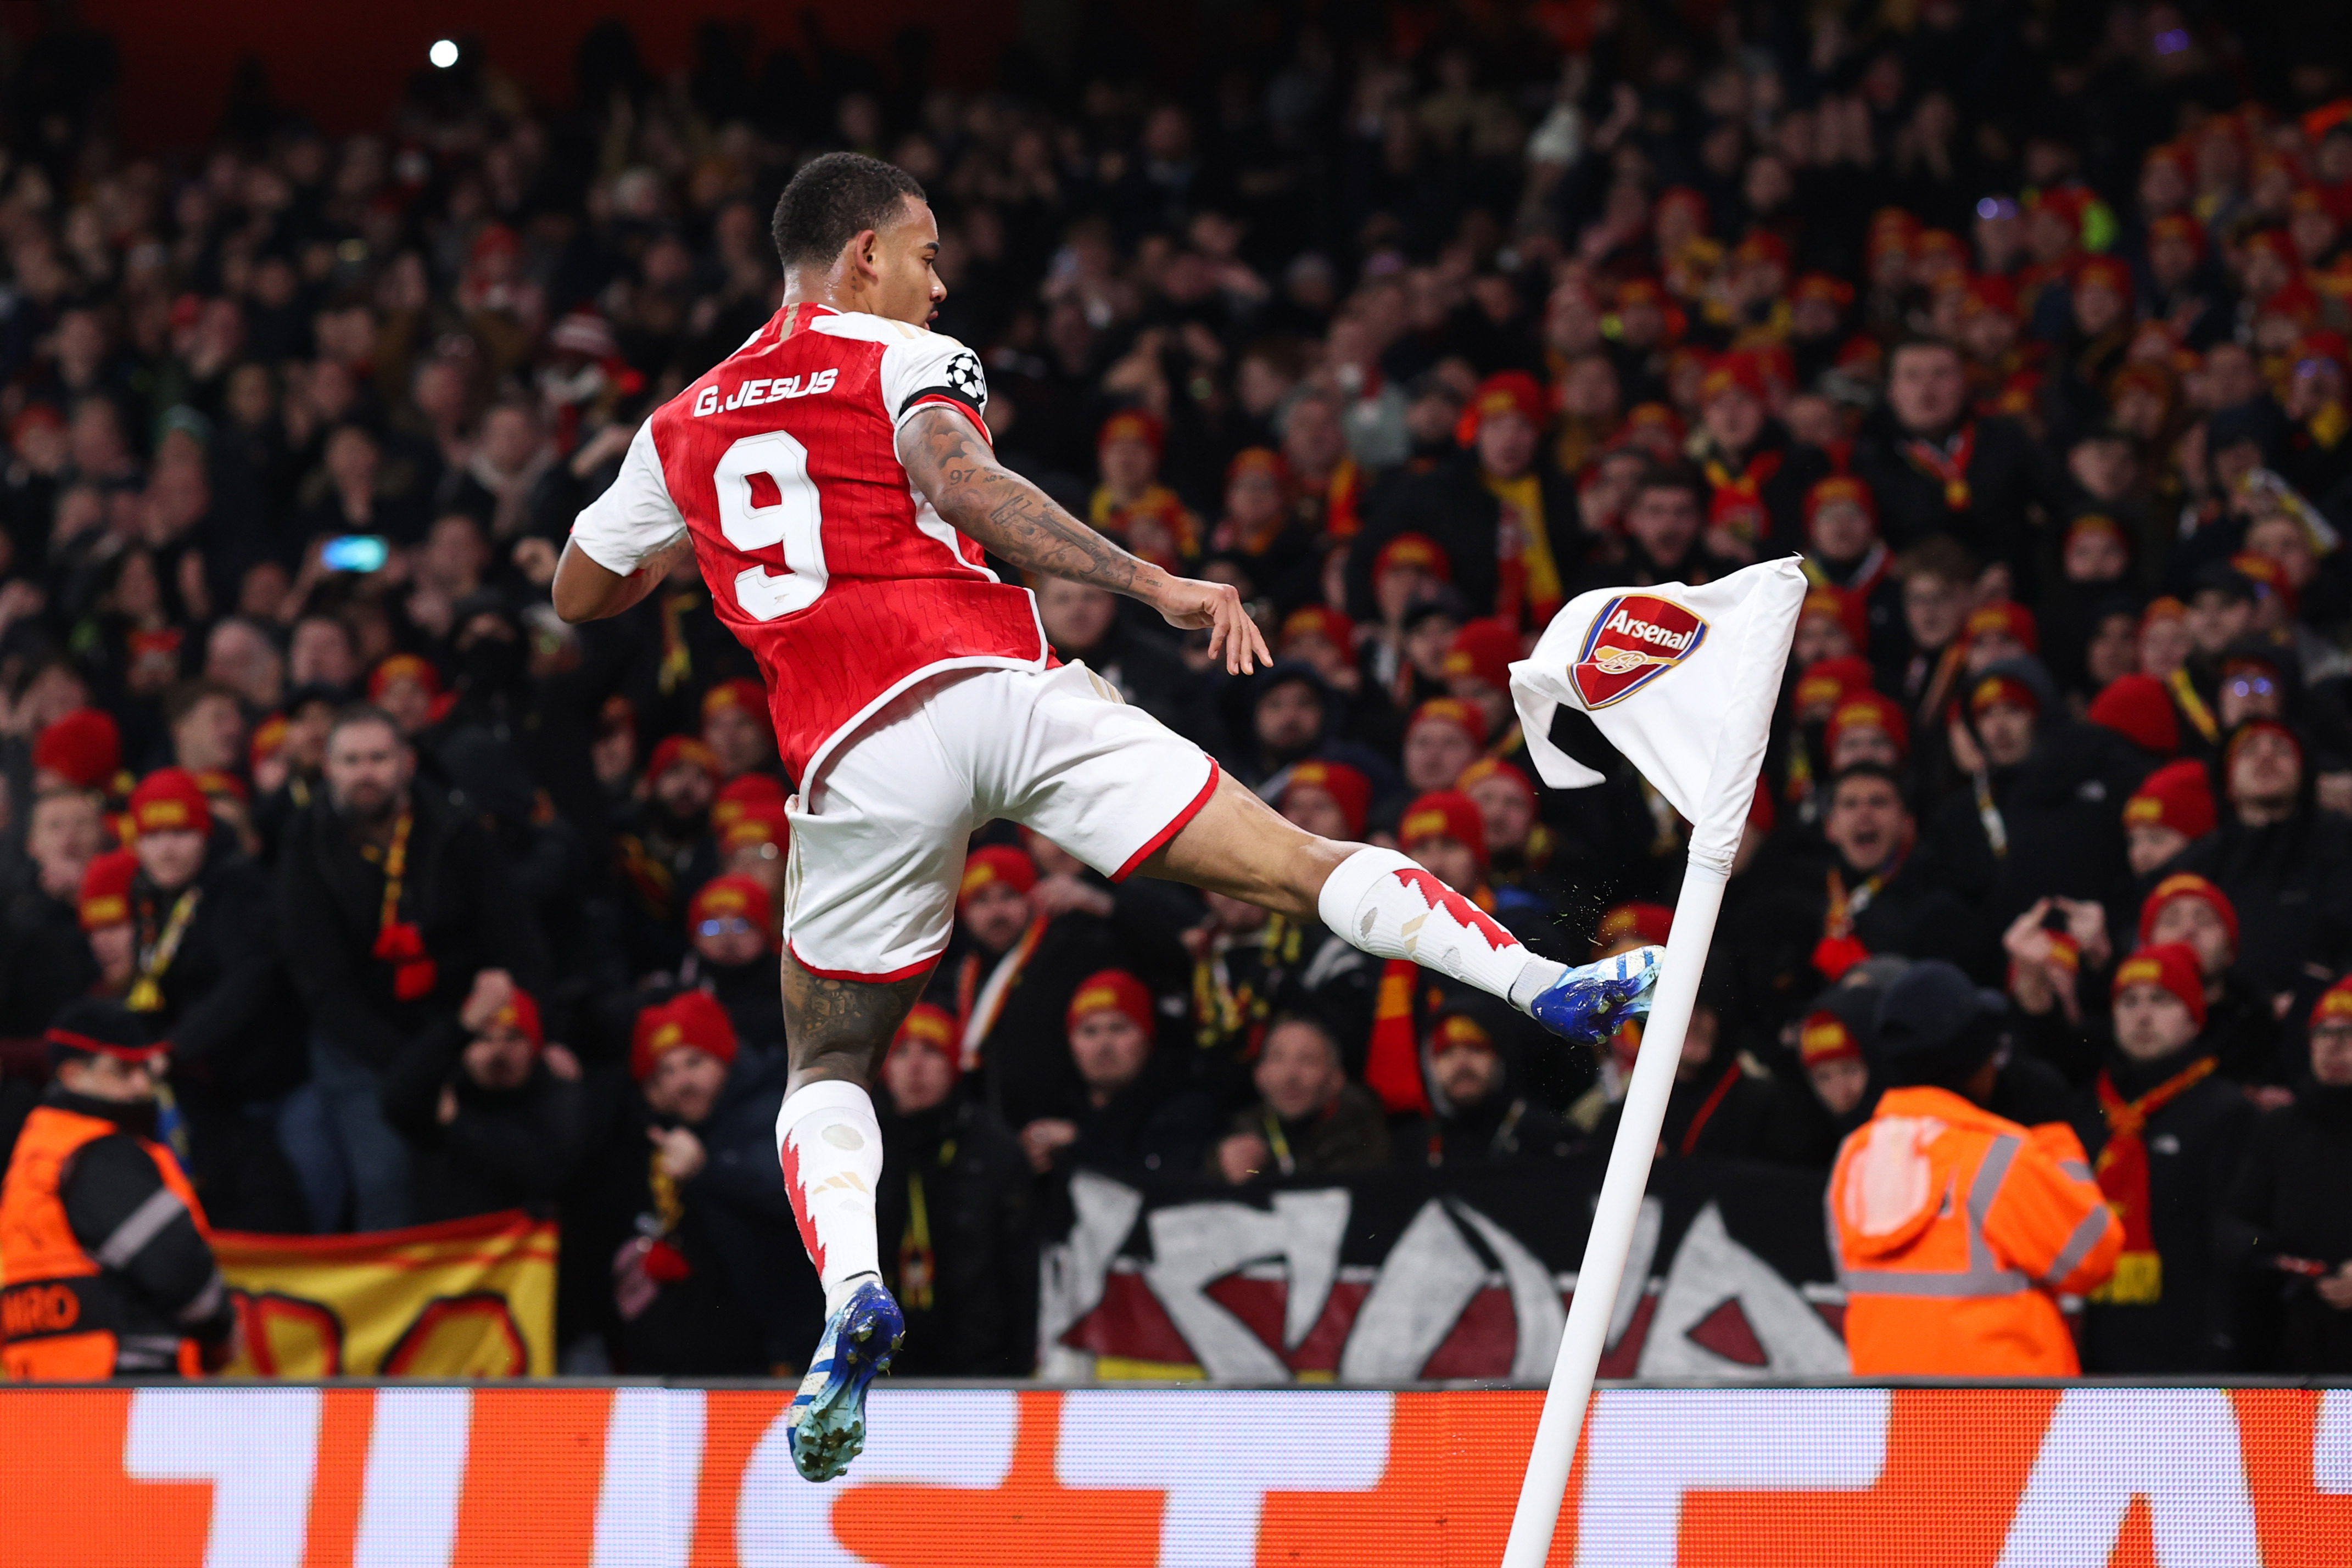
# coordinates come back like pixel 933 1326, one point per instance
pixel 1404 1275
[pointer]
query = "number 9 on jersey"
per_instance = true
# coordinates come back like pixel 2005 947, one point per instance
pixel 765 499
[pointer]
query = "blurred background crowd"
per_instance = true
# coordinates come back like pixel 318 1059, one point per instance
pixel 2025 325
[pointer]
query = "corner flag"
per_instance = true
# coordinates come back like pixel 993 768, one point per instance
pixel 1682 681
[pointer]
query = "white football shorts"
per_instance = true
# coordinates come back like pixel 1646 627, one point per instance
pixel 878 835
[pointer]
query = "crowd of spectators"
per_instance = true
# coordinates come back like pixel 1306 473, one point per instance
pixel 2025 327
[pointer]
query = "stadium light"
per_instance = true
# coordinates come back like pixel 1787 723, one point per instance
pixel 444 53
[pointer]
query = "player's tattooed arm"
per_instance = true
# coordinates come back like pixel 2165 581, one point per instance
pixel 954 468
pixel 1017 522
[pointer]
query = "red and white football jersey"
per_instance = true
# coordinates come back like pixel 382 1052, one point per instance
pixel 821 557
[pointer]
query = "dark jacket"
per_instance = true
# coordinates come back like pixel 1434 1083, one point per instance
pixel 2006 473
pixel 733 1294
pixel 976 1186
pixel 1157 1124
pixel 1351 1133
pixel 2287 1211
pixel 2292 885
pixel 2194 1142
pixel 1506 1129
pixel 456 891
pixel 229 1010
pixel 1453 505
pixel 506 1148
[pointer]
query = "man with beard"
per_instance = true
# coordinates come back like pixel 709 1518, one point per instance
pixel 389 900
pixel 731 922
pixel 1479 1113
pixel 665 849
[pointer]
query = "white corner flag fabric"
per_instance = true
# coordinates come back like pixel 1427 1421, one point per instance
pixel 1682 681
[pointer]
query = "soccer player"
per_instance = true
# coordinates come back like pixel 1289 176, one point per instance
pixel 834 479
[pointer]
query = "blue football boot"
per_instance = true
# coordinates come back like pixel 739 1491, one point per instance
pixel 827 1419
pixel 1587 1005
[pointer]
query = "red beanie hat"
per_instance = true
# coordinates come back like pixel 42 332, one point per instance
pixel 2012 618
pixel 1643 925
pixel 1318 621
pixel 1111 990
pixel 1504 392
pixel 746 695
pixel 1345 785
pixel 169 801
pixel 404 667
pixel 1839 489
pixel 689 1019
pixel 2187 885
pixel 83 747
pixel 521 1012
pixel 2178 795
pixel 1444 814
pixel 1850 610
pixel 2335 1002
pixel 1415 550
pixel 1825 681
pixel 1868 710
pixel 1824 1036
pixel 2138 708
pixel 926 1024
pixel 2171 965
pixel 754 823
pixel 2007 689
pixel 739 795
pixel 679 750
pixel 723 897
pixel 105 897
pixel 1488 768
pixel 1454 711
pixel 997 863
pixel 1483 650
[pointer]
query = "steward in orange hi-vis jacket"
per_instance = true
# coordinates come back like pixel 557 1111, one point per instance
pixel 1956 1230
pixel 106 1264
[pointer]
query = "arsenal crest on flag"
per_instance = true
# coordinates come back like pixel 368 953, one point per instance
pixel 1635 638
pixel 1673 675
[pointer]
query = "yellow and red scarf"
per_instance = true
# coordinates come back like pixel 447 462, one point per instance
pixel 2121 1173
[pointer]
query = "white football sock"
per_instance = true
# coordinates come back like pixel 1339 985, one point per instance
pixel 831 1148
pixel 1384 902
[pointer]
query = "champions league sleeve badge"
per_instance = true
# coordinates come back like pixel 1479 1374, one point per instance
pixel 1636 638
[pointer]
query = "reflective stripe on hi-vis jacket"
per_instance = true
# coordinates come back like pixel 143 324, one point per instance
pixel 1954 1232
pixel 61 1317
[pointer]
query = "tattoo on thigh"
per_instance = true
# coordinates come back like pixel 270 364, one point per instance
pixel 841 1026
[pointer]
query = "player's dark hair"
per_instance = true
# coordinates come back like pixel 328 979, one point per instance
pixel 832 200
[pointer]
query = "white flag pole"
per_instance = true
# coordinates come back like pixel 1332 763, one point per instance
pixel 1714 838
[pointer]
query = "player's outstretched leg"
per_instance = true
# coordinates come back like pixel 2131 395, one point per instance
pixel 1388 905
pixel 830 1149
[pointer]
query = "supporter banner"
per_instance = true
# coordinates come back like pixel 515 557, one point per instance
pixel 280 1475
pixel 471 1298
pixel 1406 1275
